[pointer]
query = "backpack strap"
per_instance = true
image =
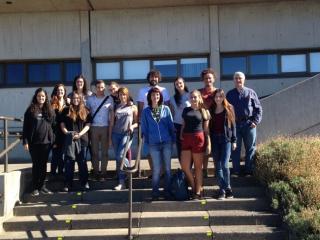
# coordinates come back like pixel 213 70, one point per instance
pixel 100 106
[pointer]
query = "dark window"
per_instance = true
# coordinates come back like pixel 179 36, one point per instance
pixel 1 74
pixel 44 72
pixel 192 67
pixel 72 69
pixel 263 64
pixel 168 68
pixel 230 65
pixel 15 74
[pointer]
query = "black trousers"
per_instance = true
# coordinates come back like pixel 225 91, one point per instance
pixel 39 155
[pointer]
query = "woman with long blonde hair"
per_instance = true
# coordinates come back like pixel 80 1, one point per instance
pixel 193 135
pixel 223 137
pixel 75 124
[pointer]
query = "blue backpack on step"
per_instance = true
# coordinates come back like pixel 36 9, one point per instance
pixel 179 186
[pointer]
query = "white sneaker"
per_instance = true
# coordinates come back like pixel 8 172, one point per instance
pixel 35 193
pixel 120 187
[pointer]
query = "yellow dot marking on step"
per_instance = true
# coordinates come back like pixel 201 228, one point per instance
pixel 79 193
pixel 59 238
pixel 74 206
pixel 203 202
pixel 68 221
pixel 206 217
pixel 209 234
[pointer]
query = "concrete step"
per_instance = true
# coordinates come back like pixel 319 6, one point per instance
pixel 243 232
pixel 139 195
pixel 248 204
pixel 140 219
pixel 57 184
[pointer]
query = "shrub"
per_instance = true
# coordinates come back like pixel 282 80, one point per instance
pixel 290 167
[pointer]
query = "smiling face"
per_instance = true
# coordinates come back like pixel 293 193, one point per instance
pixel 194 99
pixel 123 98
pixel 208 80
pixel 155 98
pixel 113 89
pixel 218 98
pixel 80 83
pixel 238 80
pixel 100 87
pixel 60 92
pixel 153 80
pixel 179 84
pixel 76 99
pixel 41 98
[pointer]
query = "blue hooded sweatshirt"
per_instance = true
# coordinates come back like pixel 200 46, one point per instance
pixel 157 132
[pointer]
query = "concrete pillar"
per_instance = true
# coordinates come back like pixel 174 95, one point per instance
pixel 86 64
pixel 214 41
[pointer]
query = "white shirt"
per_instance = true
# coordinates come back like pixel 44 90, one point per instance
pixel 102 117
pixel 177 118
pixel 143 92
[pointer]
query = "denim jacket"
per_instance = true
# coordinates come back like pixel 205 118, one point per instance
pixel 229 132
pixel 157 132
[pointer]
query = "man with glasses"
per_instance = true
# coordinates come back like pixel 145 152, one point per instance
pixel 248 113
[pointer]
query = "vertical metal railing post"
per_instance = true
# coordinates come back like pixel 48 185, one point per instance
pixel 5 141
pixel 130 237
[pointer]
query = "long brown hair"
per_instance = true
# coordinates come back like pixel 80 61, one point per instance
pixel 54 98
pixel 204 112
pixel 78 112
pixel 226 105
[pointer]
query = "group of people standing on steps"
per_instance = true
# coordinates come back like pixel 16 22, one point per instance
pixel 200 122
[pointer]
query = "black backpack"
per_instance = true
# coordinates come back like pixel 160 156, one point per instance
pixel 179 186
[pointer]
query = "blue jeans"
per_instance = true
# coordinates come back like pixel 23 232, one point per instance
pixel 82 165
pixel 248 136
pixel 221 151
pixel 119 143
pixel 161 155
pixel 57 160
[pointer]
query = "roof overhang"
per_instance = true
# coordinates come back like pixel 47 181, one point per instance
pixel 14 6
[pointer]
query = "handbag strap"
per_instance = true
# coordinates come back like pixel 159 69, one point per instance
pixel 100 106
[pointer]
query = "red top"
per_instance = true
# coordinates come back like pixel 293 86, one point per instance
pixel 207 97
pixel 218 122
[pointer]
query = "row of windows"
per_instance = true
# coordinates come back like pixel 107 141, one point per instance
pixel 271 64
pixel 17 74
pixel 133 70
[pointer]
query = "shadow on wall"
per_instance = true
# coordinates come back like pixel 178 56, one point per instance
pixel 292 111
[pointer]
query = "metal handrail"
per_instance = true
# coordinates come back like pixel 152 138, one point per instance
pixel 5 134
pixel 130 170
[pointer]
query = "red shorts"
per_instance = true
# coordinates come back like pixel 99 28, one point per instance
pixel 194 142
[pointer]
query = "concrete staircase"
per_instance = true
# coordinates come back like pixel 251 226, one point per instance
pixel 102 214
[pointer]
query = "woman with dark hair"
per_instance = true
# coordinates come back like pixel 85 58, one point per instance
pixel 123 123
pixel 38 137
pixel 223 137
pixel 178 102
pixel 58 103
pixel 75 124
pixel 80 86
pixel 194 132
pixel 158 132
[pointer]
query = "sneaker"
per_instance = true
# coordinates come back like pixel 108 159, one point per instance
pixel 45 190
pixel 66 189
pixel 120 187
pixel 35 193
pixel 222 195
pixel 86 186
pixel 229 193
pixel 235 175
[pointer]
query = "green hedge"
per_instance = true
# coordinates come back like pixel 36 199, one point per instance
pixel 290 167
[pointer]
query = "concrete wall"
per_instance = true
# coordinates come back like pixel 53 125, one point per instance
pixel 292 111
pixel 141 32
pixel 39 35
pixel 264 26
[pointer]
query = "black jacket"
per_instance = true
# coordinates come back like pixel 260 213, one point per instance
pixel 229 132
pixel 30 126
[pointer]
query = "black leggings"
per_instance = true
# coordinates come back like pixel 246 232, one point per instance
pixel 39 155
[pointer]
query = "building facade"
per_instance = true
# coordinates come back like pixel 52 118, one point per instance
pixel 43 42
